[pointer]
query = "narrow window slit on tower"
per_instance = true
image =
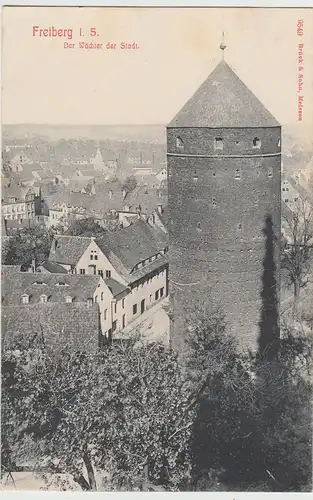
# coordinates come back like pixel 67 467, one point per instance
pixel 240 227
pixel 270 173
pixel 179 143
pixel 218 143
pixel 195 176
pixel 199 227
pixel 214 202
pixel 256 143
pixel 237 175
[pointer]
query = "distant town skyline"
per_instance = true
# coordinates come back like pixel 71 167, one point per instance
pixel 45 83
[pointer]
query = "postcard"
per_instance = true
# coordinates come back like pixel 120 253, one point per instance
pixel 157 249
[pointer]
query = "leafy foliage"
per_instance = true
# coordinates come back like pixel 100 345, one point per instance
pixel 29 244
pixel 85 227
pixel 125 412
pixel 130 183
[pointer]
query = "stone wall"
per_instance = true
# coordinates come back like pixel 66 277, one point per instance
pixel 218 204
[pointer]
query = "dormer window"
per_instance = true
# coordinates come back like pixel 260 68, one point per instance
pixel 218 143
pixel 38 282
pixel 25 299
pixel 256 143
pixel 60 283
pixel 12 199
pixel 179 143
pixel 43 298
pixel 68 299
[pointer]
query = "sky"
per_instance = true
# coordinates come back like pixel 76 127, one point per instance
pixel 45 83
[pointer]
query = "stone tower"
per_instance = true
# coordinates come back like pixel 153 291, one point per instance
pixel 224 175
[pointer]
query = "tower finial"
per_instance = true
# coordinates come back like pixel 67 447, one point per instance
pixel 222 46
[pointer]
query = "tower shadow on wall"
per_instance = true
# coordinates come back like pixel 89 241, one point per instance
pixel 269 333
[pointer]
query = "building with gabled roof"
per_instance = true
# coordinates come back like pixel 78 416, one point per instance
pixel 224 177
pixel 132 261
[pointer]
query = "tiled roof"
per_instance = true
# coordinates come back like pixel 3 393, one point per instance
pixel 68 249
pixel 52 267
pixel 74 326
pixel 129 246
pixel 148 199
pixel 55 286
pixel 223 100
pixel 92 204
pixel 160 263
pixel 116 288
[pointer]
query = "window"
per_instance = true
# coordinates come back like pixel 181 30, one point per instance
pixel 134 309
pixel 283 189
pixel 100 272
pixel 123 303
pixel 151 298
pixel 101 295
pixel 96 257
pixel 156 296
pixel 179 143
pixel 278 144
pixel 199 226
pixel 108 274
pixel 82 271
pixel 256 143
pixel 218 143
pixel 91 256
pixel 43 298
pixel 214 203
pixel 68 299
pixel 240 227
pixel 286 200
pixel 90 302
pixel 105 314
pixel 96 298
pixel 237 174
pixel 162 292
pixel 123 321
pixel 296 199
pixel 25 299
pixel 115 308
pixel 195 176
pixel 270 173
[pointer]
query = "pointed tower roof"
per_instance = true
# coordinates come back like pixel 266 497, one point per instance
pixel 223 100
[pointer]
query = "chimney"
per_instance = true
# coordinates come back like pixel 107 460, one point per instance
pixel 55 244
pixel 160 209
pixel 124 192
pixel 110 194
pixel 33 266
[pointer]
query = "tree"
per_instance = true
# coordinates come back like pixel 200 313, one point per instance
pixel 124 412
pixel 253 430
pixel 298 249
pixel 29 244
pixel 85 227
pixel 130 183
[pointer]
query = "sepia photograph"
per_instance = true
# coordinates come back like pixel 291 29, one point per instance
pixel 157 249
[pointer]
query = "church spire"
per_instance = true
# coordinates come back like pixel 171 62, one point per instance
pixel 222 46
